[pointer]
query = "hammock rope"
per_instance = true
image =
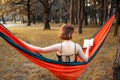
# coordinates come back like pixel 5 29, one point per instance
pixel 62 70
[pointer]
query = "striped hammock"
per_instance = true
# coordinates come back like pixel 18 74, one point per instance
pixel 62 70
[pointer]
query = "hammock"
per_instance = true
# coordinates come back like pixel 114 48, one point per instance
pixel 62 70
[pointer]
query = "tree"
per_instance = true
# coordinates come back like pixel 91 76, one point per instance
pixel 117 23
pixel 95 11
pixel 111 8
pixel 28 8
pixel 116 64
pixel 47 4
pixel 117 17
pixel 5 9
pixel 25 7
pixel 101 12
pixel 28 11
pixel 105 11
pixel 3 19
pixel 81 5
pixel 71 11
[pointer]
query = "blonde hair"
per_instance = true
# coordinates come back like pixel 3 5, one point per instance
pixel 66 32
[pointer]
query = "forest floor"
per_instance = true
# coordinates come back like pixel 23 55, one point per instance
pixel 14 66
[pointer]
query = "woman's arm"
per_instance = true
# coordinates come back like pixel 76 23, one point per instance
pixel 83 55
pixel 51 48
pixel 87 52
pixel 48 49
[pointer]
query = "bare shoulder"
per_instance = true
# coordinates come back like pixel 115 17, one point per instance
pixel 57 45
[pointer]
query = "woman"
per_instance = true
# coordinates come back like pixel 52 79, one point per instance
pixel 67 50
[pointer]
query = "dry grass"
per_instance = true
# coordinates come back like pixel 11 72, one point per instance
pixel 13 66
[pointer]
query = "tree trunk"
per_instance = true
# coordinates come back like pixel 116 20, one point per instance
pixel 117 18
pixel 60 10
pixel 116 64
pixel 28 13
pixel 29 21
pixel 111 8
pixel 86 18
pixel 80 15
pixel 102 13
pixel 47 7
pixel 75 13
pixel 46 21
pixel 71 11
pixel 33 19
pixel 116 24
pixel 105 11
pixel 95 16
pixel 3 19
pixel 14 20
pixel 79 10
pixel 22 19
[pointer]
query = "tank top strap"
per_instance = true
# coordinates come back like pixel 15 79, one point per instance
pixel 75 53
pixel 61 48
pixel 60 56
pixel 75 47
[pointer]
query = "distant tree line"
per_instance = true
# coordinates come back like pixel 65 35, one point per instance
pixel 77 12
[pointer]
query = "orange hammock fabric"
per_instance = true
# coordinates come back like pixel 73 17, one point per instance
pixel 62 70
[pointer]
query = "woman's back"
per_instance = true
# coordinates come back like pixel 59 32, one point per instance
pixel 67 51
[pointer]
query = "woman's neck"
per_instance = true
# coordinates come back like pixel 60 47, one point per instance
pixel 67 41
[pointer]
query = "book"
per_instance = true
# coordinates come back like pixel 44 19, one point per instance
pixel 88 42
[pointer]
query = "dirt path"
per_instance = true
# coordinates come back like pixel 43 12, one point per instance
pixel 13 25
